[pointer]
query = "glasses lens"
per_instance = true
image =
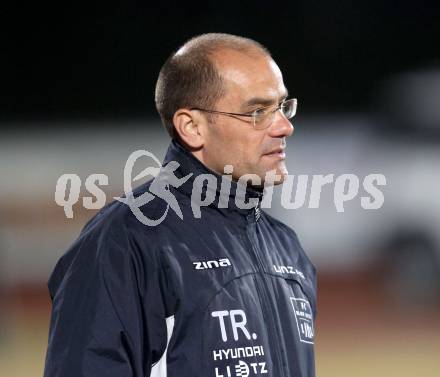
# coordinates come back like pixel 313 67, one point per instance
pixel 288 108
pixel 263 121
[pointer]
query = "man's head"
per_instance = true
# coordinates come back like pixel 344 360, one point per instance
pixel 221 72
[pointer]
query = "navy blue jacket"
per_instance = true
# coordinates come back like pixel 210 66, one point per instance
pixel 228 294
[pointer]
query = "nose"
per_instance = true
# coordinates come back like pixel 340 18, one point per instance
pixel 281 126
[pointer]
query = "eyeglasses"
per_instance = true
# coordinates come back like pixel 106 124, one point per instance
pixel 264 116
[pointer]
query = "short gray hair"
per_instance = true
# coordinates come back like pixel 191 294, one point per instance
pixel 189 77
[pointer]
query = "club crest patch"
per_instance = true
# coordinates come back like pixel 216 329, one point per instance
pixel 304 319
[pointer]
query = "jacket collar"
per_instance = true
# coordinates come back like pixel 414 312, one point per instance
pixel 238 193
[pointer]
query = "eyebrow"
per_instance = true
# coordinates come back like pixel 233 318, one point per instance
pixel 262 101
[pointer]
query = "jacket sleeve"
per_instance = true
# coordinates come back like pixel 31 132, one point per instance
pixel 108 309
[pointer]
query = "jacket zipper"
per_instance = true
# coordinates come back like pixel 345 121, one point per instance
pixel 263 291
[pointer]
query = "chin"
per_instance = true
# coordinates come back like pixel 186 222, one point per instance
pixel 275 177
pixel 281 179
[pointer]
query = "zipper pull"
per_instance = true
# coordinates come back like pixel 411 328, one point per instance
pixel 257 212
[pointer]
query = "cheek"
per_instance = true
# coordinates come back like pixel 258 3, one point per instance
pixel 242 147
pixel 250 152
pixel 228 149
pixel 238 146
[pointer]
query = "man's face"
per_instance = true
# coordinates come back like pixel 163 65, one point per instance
pixel 252 82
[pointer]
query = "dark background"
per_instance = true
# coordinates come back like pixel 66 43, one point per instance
pixel 96 60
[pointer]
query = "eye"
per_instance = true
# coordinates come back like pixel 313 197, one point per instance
pixel 260 112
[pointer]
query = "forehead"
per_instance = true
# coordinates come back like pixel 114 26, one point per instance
pixel 246 75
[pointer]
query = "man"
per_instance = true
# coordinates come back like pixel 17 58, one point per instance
pixel 225 292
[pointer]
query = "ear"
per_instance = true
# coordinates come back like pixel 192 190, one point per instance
pixel 190 127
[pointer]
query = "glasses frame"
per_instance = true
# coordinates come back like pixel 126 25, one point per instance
pixel 252 115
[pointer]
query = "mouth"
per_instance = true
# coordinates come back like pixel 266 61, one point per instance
pixel 277 153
